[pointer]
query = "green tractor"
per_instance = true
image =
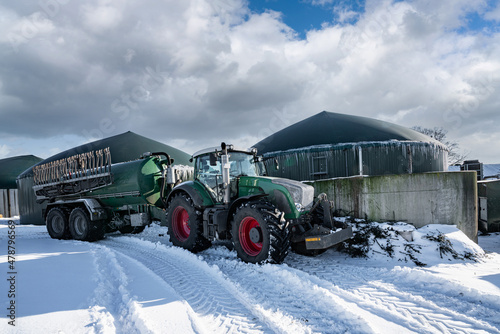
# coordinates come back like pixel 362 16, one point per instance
pixel 231 198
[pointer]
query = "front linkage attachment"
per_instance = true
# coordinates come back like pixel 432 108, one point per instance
pixel 318 231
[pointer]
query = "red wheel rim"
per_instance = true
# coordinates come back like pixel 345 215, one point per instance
pixel 250 247
pixel 180 223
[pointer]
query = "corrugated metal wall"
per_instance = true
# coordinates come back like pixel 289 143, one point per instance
pixel 378 158
pixel 490 190
pixel 9 203
pixel 29 210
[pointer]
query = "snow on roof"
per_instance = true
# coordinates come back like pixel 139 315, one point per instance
pixel 491 170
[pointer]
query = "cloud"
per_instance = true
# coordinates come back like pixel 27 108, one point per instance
pixel 494 14
pixel 4 151
pixel 199 72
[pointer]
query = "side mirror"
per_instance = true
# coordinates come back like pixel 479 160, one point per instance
pixel 213 159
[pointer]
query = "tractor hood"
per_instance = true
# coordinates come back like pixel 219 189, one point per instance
pixel 302 194
pixel 291 197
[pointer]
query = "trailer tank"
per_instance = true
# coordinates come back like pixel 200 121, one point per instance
pixel 134 183
pixel 89 196
pixel 91 175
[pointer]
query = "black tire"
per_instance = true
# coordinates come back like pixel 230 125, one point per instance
pixel 258 235
pixel 185 224
pixel 131 229
pixel 57 224
pixel 82 228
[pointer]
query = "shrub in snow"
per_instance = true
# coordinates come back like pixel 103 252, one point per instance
pixel 446 247
pixel 402 242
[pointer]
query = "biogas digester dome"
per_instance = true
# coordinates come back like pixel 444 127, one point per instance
pixel 329 145
pixel 124 147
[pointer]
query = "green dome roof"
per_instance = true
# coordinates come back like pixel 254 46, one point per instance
pixel 10 168
pixel 328 128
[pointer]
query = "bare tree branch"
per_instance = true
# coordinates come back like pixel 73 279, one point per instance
pixel 455 156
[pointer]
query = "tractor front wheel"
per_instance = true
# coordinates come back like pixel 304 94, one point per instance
pixel 185 224
pixel 258 235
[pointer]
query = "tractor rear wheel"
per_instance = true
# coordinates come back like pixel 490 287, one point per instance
pixel 82 228
pixel 185 224
pixel 57 224
pixel 258 235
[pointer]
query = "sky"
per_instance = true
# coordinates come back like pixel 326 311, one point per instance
pixel 193 73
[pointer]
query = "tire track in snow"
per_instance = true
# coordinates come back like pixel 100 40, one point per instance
pixel 296 299
pixel 221 308
pixel 415 309
pixel 114 310
pixel 445 293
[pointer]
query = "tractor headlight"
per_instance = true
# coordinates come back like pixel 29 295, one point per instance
pixel 300 207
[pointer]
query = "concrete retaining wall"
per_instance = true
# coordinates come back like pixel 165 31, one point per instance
pixel 418 199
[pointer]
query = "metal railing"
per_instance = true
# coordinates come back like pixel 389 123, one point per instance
pixel 85 165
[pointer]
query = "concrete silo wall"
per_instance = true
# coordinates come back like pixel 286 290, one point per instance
pixel 428 198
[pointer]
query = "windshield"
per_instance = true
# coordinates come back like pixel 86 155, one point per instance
pixel 242 165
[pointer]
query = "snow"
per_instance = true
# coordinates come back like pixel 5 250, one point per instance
pixel 142 284
pixel 489 170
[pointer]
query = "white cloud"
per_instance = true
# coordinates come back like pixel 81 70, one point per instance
pixel 494 14
pixel 101 17
pixel 321 2
pixel 197 72
pixel 4 151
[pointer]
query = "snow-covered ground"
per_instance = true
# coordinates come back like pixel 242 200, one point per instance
pixel 141 284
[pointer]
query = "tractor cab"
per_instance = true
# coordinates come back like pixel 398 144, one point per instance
pixel 219 169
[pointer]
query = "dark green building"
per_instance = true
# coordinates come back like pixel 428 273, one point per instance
pixel 10 168
pixel 488 192
pixel 124 147
pixel 329 145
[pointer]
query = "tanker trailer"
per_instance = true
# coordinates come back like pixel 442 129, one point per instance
pixel 88 196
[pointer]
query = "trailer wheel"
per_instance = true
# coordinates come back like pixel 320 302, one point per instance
pixel 57 224
pixel 258 235
pixel 185 225
pixel 82 228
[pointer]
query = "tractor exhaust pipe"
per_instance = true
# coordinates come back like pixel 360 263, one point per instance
pixel 226 166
